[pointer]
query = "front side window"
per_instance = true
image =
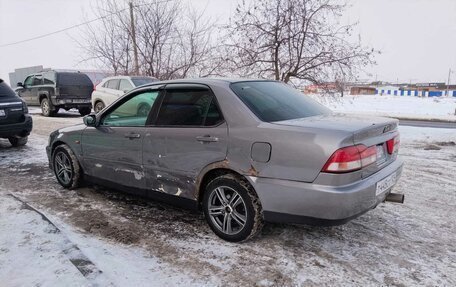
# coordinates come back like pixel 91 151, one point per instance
pixel 125 85
pixel 275 101
pixel 28 81
pixel 139 81
pixel 192 107
pixel 133 112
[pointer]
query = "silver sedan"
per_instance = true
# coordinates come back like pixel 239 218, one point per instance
pixel 243 151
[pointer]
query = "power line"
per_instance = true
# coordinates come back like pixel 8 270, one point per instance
pixel 74 26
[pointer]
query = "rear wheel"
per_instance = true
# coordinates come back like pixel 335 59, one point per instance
pixel 98 106
pixel 85 111
pixel 66 167
pixel 47 109
pixel 232 208
pixel 18 141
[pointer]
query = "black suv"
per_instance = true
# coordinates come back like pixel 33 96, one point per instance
pixel 15 122
pixel 53 90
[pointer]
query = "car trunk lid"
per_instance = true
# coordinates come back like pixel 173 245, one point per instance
pixel 368 131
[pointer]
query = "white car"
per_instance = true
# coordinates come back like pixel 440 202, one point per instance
pixel 111 88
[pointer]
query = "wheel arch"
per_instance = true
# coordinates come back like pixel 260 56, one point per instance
pixel 58 143
pixel 213 171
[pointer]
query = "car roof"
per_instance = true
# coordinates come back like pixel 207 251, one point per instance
pixel 208 81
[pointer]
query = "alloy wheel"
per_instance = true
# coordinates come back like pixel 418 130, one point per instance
pixel 63 170
pixel 227 210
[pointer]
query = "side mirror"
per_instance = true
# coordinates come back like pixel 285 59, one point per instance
pixel 19 84
pixel 90 120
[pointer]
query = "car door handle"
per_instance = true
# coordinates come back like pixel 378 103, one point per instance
pixel 132 136
pixel 207 139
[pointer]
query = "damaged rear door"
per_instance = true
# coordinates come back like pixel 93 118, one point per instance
pixel 113 150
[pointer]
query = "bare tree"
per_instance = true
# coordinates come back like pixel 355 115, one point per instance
pixel 293 39
pixel 108 43
pixel 172 40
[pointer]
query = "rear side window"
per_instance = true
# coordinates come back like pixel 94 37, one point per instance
pixel 192 107
pixel 73 79
pixel 6 91
pixel 37 80
pixel 275 101
pixel 49 79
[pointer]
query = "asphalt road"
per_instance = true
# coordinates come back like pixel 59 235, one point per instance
pixel 428 124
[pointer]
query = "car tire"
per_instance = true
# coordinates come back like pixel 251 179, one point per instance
pixel 84 111
pixel 18 141
pixel 66 167
pixel 232 208
pixel 47 109
pixel 99 106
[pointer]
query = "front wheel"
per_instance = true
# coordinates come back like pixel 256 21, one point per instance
pixel 85 111
pixel 66 167
pixel 232 208
pixel 18 141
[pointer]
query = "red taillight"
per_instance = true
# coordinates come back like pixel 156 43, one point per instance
pixel 392 145
pixel 350 159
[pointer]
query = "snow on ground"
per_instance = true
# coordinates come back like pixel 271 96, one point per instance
pixel 406 107
pixel 140 242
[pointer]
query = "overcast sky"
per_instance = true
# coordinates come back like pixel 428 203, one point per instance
pixel 417 38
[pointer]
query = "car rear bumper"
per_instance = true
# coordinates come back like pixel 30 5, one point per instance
pixel 298 202
pixel 21 129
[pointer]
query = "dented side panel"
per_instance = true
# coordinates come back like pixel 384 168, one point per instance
pixel 173 157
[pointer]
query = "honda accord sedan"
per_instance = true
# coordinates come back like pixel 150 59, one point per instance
pixel 242 151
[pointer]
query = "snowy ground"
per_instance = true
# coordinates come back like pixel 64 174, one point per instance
pixel 102 237
pixel 405 107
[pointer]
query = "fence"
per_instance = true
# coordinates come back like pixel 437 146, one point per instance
pixel 414 93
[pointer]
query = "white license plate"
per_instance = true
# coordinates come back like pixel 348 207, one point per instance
pixel 2 113
pixel 386 183
pixel 77 101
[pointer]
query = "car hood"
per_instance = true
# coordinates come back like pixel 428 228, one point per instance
pixel 73 129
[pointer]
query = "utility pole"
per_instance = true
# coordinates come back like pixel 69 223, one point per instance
pixel 133 36
pixel 448 83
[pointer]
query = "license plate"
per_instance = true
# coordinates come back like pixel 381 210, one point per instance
pixel 78 101
pixel 2 113
pixel 386 183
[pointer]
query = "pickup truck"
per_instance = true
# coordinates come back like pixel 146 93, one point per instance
pixel 52 90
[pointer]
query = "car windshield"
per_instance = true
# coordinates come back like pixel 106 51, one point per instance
pixel 74 79
pixel 274 101
pixel 139 81
pixel 5 90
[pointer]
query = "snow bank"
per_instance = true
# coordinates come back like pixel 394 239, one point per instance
pixel 393 106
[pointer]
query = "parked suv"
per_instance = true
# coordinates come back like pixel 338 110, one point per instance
pixel 15 122
pixel 111 88
pixel 243 151
pixel 54 90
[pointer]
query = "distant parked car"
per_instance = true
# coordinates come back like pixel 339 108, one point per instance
pixel 111 88
pixel 244 151
pixel 54 90
pixel 15 122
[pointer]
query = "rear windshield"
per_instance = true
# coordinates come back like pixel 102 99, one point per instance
pixel 6 91
pixel 73 79
pixel 275 101
pixel 139 81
